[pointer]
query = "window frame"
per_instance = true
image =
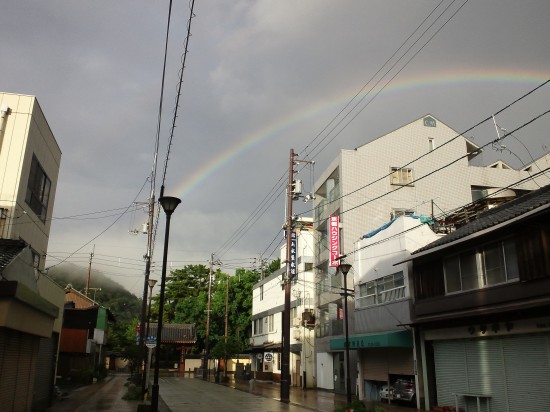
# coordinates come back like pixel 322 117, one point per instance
pixel 509 264
pixel 39 185
pixel 375 289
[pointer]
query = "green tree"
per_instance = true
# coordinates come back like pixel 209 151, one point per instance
pixel 181 284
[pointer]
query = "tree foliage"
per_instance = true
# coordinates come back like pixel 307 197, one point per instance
pixel 184 284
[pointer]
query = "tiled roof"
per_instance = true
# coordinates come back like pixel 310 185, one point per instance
pixel 9 249
pixel 501 214
pixel 175 332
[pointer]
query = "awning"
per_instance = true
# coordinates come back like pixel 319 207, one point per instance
pixel 400 339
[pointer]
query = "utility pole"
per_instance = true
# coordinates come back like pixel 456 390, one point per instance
pixel 285 352
pixel 207 334
pixel 89 272
pixel 226 305
pixel 293 193
pixel 148 256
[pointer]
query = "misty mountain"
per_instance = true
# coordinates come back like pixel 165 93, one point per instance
pixel 123 305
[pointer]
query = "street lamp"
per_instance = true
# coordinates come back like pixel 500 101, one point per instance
pixel 168 204
pixel 344 268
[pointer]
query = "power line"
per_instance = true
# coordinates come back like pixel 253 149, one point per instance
pixel 103 231
pixel 245 226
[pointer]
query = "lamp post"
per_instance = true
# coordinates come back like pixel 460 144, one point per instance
pixel 168 204
pixel 344 268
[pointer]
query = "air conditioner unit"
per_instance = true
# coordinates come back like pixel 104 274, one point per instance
pixel 296 322
pixel 297 334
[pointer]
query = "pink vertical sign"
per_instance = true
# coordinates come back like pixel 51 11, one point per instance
pixel 334 240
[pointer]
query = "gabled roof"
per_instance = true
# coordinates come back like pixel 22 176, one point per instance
pixel 499 216
pixel 9 249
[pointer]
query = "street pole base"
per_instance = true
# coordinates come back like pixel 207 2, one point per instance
pixel 155 398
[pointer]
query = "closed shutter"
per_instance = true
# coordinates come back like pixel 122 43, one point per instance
pixel 486 373
pixel 17 369
pixel 9 368
pixel 513 370
pixel 375 365
pixel 43 381
pixel 400 361
pixel 28 348
pixel 527 360
pixel 450 370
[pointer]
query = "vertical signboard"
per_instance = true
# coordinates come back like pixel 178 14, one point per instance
pixel 334 240
pixel 293 270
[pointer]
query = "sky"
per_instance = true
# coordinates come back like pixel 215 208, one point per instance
pixel 260 78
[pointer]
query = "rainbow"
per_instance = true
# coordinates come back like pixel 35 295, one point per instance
pixel 270 131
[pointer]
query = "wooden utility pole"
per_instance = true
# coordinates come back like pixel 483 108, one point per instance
pixel 148 256
pixel 206 338
pixel 285 350
pixel 89 272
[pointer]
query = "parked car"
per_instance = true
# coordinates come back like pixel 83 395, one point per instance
pixel 404 389
pixel 386 392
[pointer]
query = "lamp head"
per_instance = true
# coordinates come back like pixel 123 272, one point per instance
pixel 152 283
pixel 169 204
pixel 344 268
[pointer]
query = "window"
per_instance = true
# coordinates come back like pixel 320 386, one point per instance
pixel 258 327
pixel 490 265
pixel 38 190
pixel 271 323
pixel 431 143
pixel 3 220
pixel 382 290
pixel 401 176
pixel 262 292
pixel 395 213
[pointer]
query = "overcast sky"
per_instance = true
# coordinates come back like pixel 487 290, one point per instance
pixel 261 77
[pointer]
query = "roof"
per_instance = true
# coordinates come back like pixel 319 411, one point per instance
pixel 9 249
pixel 506 213
pixel 175 332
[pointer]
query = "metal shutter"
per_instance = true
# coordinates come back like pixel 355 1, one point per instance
pixel 400 361
pixel 486 373
pixel 527 360
pixel 375 364
pixel 515 370
pixel 27 348
pixel 45 366
pixel 450 370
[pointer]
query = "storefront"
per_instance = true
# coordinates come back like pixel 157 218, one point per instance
pixel 382 359
pixel 496 366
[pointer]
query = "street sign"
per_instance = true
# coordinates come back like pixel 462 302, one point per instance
pixel 268 357
pixel 150 345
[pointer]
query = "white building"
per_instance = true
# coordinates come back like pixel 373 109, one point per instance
pixel 268 300
pixel 33 304
pixel 383 339
pixel 424 168
pixel 29 167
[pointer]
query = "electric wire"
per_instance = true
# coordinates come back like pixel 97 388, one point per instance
pixel 488 118
pixel 103 231
pixel 244 227
pixel 307 154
